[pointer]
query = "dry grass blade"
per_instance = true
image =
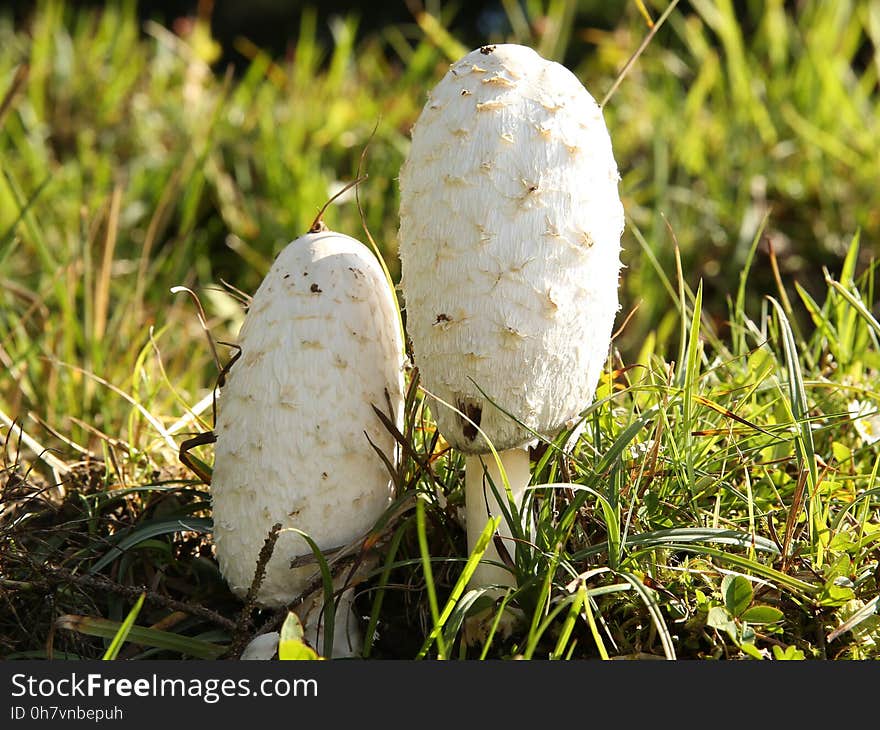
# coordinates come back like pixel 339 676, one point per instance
pixel 152 420
pixel 638 52
pixel 107 629
pixel 797 503
pixel 40 451
pixel 777 277
pixel 18 82
pixel 405 446
pixel 393 472
pixel 193 463
pixel 102 292
pixel 203 321
pixel 368 541
pixel 727 413
pixel 318 224
pixel 243 298
pixel 793 512
pixel 157 221
pixel 863 614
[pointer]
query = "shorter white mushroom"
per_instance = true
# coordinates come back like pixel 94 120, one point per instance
pixel 320 346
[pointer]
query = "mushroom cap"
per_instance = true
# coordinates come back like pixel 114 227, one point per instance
pixel 319 346
pixel 510 226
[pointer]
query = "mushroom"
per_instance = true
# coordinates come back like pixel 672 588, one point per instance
pixel 262 647
pixel 510 227
pixel 296 432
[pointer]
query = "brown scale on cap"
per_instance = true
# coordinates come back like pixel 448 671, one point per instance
pixel 474 412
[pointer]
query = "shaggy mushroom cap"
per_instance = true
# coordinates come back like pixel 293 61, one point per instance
pixel 320 345
pixel 510 226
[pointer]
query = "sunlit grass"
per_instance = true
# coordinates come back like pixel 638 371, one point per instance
pixel 723 499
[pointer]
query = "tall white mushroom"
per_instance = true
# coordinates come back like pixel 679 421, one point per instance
pixel 320 346
pixel 510 226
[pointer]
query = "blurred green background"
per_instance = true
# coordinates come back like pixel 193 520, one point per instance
pixel 146 146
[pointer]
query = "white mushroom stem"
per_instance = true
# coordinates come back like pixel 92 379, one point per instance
pixel 262 648
pixel 348 640
pixel 481 504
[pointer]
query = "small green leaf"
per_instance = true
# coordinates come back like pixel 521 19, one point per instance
pixel 761 360
pixel 291 646
pixel 835 595
pixel 762 615
pixel 747 636
pixel 737 593
pixel 719 618
pixel 790 653
pixel 745 640
pixel 842 542
pixel 296 651
pixel 842 453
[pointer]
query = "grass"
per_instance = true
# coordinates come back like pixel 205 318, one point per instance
pixel 723 500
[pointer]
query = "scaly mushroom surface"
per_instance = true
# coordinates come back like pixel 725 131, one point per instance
pixel 510 227
pixel 320 346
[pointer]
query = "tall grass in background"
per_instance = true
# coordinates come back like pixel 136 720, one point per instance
pixel 748 146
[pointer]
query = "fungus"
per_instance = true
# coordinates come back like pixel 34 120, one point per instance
pixel 293 415
pixel 526 354
pixel 263 647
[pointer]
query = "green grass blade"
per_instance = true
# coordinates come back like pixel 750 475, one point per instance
pixel 749 566
pixel 691 367
pixel 568 625
pixel 382 586
pixel 740 307
pixel 106 629
pixel 650 600
pixel 806 449
pixel 684 535
pixel 458 589
pixel 863 614
pixel 328 619
pixel 425 554
pixel 857 304
pixel 124 629
pixel 147 530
